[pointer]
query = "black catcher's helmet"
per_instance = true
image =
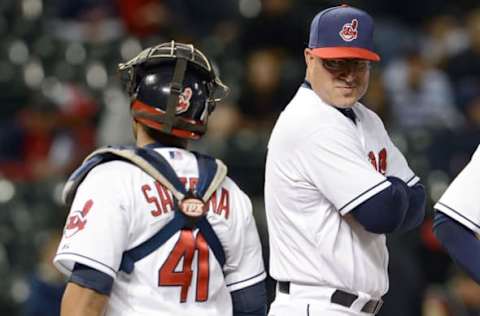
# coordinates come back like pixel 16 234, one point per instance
pixel 173 88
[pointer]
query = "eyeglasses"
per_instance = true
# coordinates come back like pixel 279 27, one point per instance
pixel 341 65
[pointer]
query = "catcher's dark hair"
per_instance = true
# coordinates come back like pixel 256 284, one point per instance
pixel 164 139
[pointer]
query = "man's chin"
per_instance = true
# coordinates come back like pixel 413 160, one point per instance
pixel 346 102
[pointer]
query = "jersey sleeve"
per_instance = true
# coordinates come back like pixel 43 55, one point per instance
pixel 96 230
pixel 461 200
pixel 397 165
pixel 334 161
pixel 244 263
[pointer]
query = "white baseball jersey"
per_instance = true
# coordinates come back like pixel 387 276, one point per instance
pixel 118 206
pixel 320 166
pixel 461 201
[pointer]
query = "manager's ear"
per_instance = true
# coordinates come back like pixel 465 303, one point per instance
pixel 308 56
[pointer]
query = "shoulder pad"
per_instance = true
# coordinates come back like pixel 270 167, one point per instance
pixel 150 162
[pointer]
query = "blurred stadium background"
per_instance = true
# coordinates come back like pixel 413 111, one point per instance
pixel 60 97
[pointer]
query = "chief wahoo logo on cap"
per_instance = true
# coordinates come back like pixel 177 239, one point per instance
pixel 349 31
pixel 184 100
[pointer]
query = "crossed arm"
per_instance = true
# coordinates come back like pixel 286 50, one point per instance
pixel 397 208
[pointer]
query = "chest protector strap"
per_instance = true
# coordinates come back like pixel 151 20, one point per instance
pixel 211 174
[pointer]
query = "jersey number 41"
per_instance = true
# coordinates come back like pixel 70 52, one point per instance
pixel 185 249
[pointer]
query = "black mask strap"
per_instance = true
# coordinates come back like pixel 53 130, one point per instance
pixel 176 88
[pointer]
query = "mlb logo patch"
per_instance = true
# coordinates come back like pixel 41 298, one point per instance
pixel 175 154
pixel 349 31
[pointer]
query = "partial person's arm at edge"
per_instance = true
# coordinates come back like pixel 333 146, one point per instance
pixel 385 211
pixel 250 301
pixel 460 242
pixel 87 292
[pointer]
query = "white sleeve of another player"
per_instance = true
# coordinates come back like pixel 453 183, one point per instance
pixel 97 227
pixel 244 263
pixel 335 162
pixel 461 201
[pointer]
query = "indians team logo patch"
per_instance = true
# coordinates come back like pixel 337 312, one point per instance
pixel 184 100
pixel 349 31
pixel 77 220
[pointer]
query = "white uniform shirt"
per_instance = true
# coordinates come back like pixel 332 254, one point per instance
pixel 461 201
pixel 320 165
pixel 118 206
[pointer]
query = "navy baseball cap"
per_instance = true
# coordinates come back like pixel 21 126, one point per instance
pixel 342 32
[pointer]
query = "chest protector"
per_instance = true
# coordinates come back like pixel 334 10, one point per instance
pixel 190 207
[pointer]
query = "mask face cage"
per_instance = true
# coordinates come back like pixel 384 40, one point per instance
pixel 180 56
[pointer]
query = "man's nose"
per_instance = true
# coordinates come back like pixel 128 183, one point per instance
pixel 348 74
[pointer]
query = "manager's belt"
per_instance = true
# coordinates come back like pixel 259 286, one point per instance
pixel 341 298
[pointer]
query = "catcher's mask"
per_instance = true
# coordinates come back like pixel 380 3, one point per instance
pixel 173 88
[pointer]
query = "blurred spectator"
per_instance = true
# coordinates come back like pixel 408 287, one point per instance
pixel 114 126
pixel 144 18
pixel 31 136
pixel 458 298
pixel 240 143
pixel 84 9
pixel 199 20
pixel 87 20
pixel 411 12
pixel 472 112
pixel 404 297
pixel 173 19
pixel 223 124
pixel 376 99
pixel 277 25
pixel 421 96
pixel 452 149
pixel 48 138
pixel 435 263
pixel 444 38
pixel 263 95
pixel 464 67
pixel 46 283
